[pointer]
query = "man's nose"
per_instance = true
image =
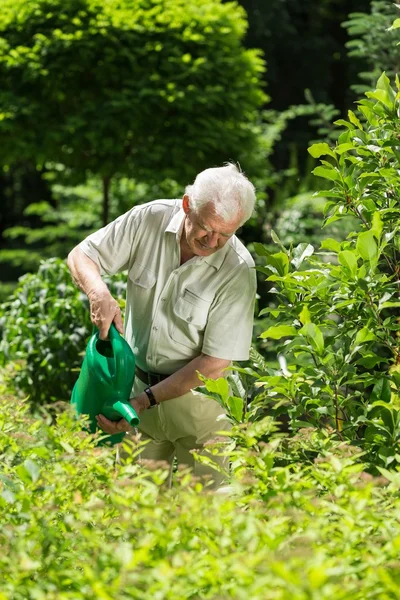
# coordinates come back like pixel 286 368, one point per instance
pixel 212 239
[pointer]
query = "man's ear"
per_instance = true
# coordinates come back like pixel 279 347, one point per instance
pixel 185 204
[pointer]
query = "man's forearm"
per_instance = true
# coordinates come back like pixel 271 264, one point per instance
pixel 85 272
pixel 104 309
pixel 186 378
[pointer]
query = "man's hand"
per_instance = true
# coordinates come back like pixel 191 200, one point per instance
pixel 104 310
pixel 112 427
pixel 140 403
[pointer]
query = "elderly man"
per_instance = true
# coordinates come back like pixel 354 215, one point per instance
pixel 189 306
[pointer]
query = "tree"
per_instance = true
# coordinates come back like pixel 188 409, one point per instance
pixel 135 87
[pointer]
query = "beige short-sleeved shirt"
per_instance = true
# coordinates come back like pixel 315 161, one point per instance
pixel 176 312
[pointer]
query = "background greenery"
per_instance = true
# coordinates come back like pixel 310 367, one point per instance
pixel 104 105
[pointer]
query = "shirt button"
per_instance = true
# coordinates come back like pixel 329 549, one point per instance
pixel 149 357
pixel 155 328
pixel 163 299
pixel 189 319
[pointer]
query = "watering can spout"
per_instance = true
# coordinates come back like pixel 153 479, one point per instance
pixel 115 410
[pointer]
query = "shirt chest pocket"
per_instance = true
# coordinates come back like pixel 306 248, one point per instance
pixel 190 320
pixel 142 277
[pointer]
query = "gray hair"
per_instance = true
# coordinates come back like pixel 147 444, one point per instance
pixel 227 189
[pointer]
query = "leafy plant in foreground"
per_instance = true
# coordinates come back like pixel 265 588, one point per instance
pixel 74 526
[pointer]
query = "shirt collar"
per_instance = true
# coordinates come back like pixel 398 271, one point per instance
pixel 216 259
pixel 175 226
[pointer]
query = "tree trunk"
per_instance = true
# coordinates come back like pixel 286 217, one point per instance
pixel 106 199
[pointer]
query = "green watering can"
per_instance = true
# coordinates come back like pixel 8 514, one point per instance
pixel 105 382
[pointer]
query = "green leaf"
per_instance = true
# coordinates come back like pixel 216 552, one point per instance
pixel 348 259
pixel 344 124
pixel 381 390
pixel 369 115
pixel 381 96
pixel 216 386
pixel 367 247
pixel 280 261
pixel 235 406
pixel 363 336
pixel 260 249
pixel 384 84
pixel 276 239
pixel 317 150
pixel 314 336
pixel 389 305
pixel 278 332
pixel 300 253
pixel 326 173
pixel 370 360
pixel 342 148
pixel 305 316
pixel 353 119
pixel 330 244
pixel 33 469
pixel 377 225
pixel 67 447
pixel 395 25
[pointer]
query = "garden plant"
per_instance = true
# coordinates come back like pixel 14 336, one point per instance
pixel 312 508
pixel 337 306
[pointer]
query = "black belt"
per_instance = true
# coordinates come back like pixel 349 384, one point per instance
pixel 149 378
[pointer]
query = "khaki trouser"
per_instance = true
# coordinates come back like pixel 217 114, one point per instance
pixel 177 426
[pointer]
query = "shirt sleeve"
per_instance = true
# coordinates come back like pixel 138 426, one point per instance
pixel 112 246
pixel 229 329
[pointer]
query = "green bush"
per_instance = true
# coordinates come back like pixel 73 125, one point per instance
pixel 44 328
pixel 336 310
pixel 73 526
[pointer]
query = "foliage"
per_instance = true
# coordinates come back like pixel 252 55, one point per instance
pixel 337 321
pixel 127 86
pixel 275 187
pixel 51 228
pixel 44 328
pixel 6 290
pixel 374 42
pixel 75 525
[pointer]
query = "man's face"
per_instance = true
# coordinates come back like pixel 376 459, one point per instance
pixel 205 231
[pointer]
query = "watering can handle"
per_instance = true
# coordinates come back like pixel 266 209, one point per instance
pixel 120 348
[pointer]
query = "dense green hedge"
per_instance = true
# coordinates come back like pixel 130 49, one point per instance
pixel 44 328
pixel 73 526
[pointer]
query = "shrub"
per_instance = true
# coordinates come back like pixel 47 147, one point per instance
pixel 45 326
pixel 338 321
pixel 74 526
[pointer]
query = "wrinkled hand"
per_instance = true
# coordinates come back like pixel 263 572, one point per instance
pixel 104 310
pixel 112 427
pixel 139 403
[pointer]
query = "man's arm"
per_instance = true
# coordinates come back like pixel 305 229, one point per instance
pixel 186 378
pixel 104 308
pixel 177 384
